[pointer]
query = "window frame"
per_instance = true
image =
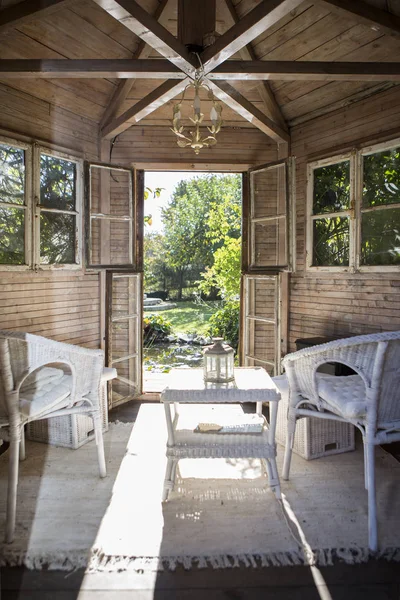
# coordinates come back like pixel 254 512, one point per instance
pixel 28 153
pixel 37 209
pixel 355 157
pixel 32 209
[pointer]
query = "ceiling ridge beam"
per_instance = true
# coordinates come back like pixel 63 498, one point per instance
pixel 17 14
pixel 234 70
pixel 234 99
pixel 261 18
pixel 379 20
pixel 124 87
pixel 146 27
pixel 162 94
pixel 264 89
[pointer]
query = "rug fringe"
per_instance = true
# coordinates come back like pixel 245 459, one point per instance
pixel 99 562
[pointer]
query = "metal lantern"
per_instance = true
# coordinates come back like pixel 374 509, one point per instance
pixel 218 362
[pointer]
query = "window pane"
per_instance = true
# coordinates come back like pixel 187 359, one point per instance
pixel 331 242
pixel 12 174
pixel 331 188
pixel 111 242
pixel 110 191
pixel 261 294
pixel 12 236
pixel 269 192
pixel 381 178
pixel 57 182
pixel 380 237
pixel 57 238
pixel 269 243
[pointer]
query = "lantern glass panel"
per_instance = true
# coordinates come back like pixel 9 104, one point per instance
pixel 218 363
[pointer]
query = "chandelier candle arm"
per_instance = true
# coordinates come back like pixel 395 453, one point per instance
pixel 194 137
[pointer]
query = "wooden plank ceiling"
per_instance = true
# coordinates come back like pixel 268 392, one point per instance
pixel 313 31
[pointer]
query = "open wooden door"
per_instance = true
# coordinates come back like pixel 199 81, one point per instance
pixel 267 258
pixel 114 246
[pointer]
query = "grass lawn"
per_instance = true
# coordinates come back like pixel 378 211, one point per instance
pixel 188 317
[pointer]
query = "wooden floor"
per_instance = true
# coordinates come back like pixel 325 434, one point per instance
pixel 375 580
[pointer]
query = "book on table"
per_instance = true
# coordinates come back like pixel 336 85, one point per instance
pixel 246 423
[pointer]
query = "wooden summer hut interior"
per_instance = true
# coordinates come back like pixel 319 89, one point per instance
pixel 309 89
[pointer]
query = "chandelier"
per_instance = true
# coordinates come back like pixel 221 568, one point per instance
pixel 194 137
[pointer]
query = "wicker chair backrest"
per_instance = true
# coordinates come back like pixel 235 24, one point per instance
pixel 376 357
pixel 23 353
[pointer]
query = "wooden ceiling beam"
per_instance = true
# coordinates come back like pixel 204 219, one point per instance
pixel 234 99
pixel 142 24
pixel 377 19
pixel 261 18
pixel 124 87
pixel 93 68
pixel 165 92
pixel 261 70
pixel 234 70
pixel 264 89
pixel 15 15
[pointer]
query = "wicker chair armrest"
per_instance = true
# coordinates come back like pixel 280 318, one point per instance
pixel 30 352
pixel 359 353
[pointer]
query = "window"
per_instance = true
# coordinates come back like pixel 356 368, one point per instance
pixel 354 211
pixel 40 197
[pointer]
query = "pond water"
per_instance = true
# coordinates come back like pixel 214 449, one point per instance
pixel 163 357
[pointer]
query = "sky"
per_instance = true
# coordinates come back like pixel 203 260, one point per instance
pixel 166 180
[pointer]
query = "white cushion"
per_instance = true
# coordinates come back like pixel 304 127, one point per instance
pixel 344 395
pixel 49 396
pixel 41 377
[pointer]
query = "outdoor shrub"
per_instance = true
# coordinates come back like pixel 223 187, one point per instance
pixel 225 323
pixel 155 328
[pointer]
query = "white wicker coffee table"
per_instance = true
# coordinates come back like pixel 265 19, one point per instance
pixel 187 386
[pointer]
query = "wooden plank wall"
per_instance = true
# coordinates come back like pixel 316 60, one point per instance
pixel 155 148
pixel 62 305
pixel 335 304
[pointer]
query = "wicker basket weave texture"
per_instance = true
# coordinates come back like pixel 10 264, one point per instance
pixel 314 437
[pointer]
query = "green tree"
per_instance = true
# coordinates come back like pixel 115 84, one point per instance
pixel 156 272
pixel 224 231
pixel 192 224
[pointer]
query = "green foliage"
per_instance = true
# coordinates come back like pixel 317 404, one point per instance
pixel 380 229
pixel 201 213
pixel 225 323
pixel 12 191
pixel 156 193
pixel 57 191
pixel 225 272
pixel 155 328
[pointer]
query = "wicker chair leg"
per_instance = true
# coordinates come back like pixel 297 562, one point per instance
pixel 168 480
pixel 22 454
pixel 12 490
pixel 365 465
pixel 291 430
pixel 98 431
pixel 369 450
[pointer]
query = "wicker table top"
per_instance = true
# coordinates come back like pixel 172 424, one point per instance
pixel 251 384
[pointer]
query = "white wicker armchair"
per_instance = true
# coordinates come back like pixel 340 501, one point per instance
pixel 30 390
pixel 370 400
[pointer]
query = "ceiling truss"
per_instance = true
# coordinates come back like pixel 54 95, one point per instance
pixel 179 66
